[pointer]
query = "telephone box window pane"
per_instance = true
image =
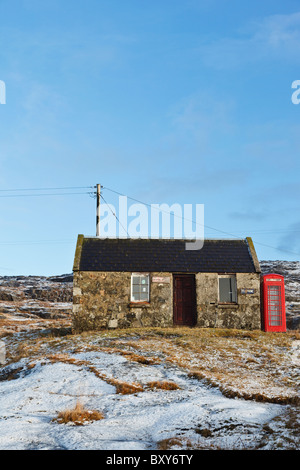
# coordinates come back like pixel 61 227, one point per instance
pixel 274 304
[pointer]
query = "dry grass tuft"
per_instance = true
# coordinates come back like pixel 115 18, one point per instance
pixel 125 388
pixel 164 385
pixel 177 442
pixel 78 416
pixel 138 358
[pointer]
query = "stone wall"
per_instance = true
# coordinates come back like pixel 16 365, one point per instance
pixel 245 314
pixel 102 300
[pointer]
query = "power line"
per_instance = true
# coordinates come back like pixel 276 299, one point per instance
pixel 167 212
pixel 114 214
pixel 44 194
pixel 133 199
pixel 47 189
pixel 204 225
pixel 36 242
pixel 44 189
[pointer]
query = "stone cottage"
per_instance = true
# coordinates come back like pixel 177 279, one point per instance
pixel 121 283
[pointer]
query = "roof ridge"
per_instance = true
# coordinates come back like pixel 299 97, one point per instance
pixel 162 239
pixel 146 254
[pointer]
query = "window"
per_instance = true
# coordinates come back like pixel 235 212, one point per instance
pixel 227 289
pixel 140 287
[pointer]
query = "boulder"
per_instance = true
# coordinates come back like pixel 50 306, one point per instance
pixel 2 352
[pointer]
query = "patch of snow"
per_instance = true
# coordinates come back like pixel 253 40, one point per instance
pixel 137 421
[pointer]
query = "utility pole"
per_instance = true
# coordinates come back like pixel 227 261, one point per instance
pixel 98 211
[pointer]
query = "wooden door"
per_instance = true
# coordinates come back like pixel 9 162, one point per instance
pixel 184 300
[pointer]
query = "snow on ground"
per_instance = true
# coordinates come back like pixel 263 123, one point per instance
pixel 134 421
pixel 195 416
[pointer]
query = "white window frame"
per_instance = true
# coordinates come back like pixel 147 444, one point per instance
pixel 133 295
pixel 233 292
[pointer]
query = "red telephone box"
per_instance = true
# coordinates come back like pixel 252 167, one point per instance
pixel 273 302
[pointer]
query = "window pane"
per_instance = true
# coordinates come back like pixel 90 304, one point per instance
pixel 136 280
pixel 233 289
pixel 274 301
pixel 135 289
pixel 227 289
pixel 224 289
pixel 139 288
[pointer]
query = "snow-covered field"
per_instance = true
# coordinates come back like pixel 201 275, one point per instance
pixel 193 416
pixel 134 421
pixel 230 391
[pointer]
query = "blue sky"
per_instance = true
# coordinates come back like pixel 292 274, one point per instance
pixel 167 101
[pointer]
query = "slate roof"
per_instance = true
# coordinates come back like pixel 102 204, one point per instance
pixel 158 255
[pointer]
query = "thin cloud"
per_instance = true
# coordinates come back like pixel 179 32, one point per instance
pixel 248 215
pixel 201 183
pixel 275 37
pixel 291 241
pixel 196 120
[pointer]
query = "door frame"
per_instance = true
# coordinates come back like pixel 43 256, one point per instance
pixel 193 321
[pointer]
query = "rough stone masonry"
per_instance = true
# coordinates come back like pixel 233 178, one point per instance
pixel 102 282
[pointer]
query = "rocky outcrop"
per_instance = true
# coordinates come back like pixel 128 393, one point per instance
pixel 290 270
pixel 50 289
pixel 2 352
pixel 44 297
pixel 50 294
